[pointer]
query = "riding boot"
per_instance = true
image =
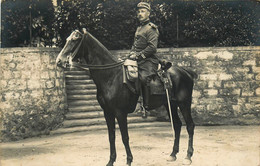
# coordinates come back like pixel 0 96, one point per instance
pixel 146 97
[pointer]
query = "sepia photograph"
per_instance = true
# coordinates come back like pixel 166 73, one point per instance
pixel 130 83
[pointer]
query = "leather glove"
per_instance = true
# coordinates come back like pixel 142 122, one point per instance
pixel 132 55
pixel 140 56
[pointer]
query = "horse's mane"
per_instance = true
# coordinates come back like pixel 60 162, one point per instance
pixel 102 47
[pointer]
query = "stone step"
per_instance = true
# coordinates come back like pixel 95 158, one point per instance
pixel 83 122
pixel 79 82
pixel 79 87
pixel 81 91
pixel 104 127
pixel 84 115
pixel 101 121
pixel 81 97
pixel 76 72
pixel 91 115
pixel 83 102
pixel 76 77
pixel 84 108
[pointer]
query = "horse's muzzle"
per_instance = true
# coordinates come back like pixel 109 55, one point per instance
pixel 59 63
pixel 63 65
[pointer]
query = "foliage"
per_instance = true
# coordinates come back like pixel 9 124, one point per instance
pixel 113 22
pixel 170 18
pixel 107 21
pixel 224 24
pixel 15 22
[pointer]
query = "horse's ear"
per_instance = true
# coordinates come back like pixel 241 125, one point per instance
pixel 84 30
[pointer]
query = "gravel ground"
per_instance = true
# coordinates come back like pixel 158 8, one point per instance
pixel 213 146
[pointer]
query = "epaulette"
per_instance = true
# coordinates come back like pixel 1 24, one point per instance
pixel 153 25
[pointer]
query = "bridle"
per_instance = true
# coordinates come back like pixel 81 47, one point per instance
pixel 90 66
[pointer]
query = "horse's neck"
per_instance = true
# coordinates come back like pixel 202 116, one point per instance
pixel 106 79
pixel 98 53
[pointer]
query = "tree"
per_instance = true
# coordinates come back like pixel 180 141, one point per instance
pixel 107 21
pixel 113 22
pixel 233 23
pixel 18 17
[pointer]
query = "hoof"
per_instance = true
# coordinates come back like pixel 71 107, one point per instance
pixel 144 116
pixel 172 158
pixel 187 161
pixel 128 163
pixel 110 163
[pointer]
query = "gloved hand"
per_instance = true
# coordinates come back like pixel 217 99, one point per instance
pixel 132 55
pixel 140 57
pixel 136 56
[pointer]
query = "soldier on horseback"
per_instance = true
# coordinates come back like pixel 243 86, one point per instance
pixel 144 50
pixel 116 100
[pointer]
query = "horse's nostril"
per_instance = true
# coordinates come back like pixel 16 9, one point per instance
pixel 66 65
pixel 59 63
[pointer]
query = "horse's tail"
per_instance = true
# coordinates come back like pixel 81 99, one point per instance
pixel 189 72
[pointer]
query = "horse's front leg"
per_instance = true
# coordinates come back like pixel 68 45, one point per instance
pixel 122 121
pixel 110 120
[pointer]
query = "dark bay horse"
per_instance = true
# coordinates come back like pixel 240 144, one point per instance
pixel 117 100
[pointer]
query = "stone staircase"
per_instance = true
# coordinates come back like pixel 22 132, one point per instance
pixel 84 112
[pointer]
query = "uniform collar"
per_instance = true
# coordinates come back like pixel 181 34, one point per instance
pixel 144 22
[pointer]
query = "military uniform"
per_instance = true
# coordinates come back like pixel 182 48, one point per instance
pixel 144 50
pixel 145 45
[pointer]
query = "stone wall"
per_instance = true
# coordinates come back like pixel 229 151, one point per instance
pixel 33 98
pixel 227 90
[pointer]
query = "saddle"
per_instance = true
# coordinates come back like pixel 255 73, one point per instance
pixel 131 69
pixel 158 84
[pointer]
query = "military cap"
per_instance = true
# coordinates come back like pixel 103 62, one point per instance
pixel 144 5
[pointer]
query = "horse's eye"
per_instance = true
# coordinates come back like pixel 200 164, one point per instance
pixel 75 36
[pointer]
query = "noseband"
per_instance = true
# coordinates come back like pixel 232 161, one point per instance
pixel 77 49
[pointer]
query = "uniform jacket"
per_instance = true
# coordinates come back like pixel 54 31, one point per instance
pixel 146 40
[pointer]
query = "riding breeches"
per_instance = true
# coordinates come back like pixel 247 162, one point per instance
pixel 147 69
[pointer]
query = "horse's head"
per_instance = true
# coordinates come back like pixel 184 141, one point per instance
pixel 71 49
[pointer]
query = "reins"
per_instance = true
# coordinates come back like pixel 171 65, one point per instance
pixel 77 49
pixel 97 67
pixel 90 66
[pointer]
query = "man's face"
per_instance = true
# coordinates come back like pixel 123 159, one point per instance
pixel 143 14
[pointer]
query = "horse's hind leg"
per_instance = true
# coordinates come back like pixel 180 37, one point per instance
pixel 177 129
pixel 185 108
pixel 122 121
pixel 110 120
